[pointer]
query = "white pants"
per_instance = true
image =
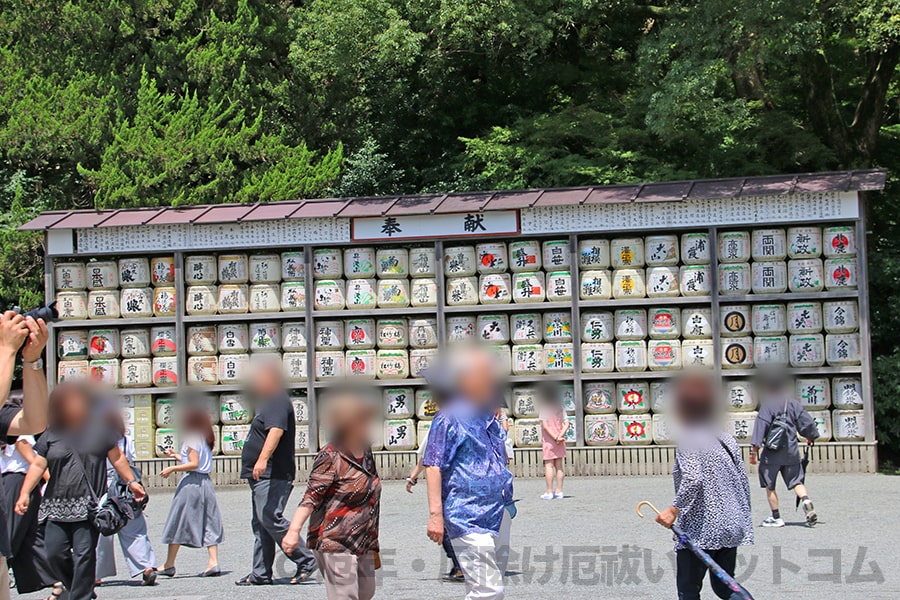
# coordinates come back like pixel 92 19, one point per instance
pixel 483 558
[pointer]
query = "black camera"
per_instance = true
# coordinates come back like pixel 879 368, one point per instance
pixel 48 313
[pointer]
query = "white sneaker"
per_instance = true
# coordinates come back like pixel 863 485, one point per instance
pixel 773 522
pixel 547 496
pixel 558 496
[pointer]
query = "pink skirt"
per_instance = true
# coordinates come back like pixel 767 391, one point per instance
pixel 554 449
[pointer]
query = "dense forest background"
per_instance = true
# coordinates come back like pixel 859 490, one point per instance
pixel 155 102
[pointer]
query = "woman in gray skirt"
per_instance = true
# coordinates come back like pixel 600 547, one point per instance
pixel 194 518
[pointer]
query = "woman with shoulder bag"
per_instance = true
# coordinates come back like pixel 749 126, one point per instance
pixel 75 448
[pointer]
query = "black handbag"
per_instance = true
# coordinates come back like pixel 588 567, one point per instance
pixel 109 514
pixel 776 436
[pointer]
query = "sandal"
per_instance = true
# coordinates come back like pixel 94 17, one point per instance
pixel 58 590
pixel 250 580
pixel 301 578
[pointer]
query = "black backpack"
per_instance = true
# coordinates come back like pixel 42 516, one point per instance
pixel 776 436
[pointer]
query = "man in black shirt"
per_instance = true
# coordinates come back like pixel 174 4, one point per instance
pixel 267 463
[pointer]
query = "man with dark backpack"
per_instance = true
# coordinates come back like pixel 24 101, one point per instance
pixel 779 420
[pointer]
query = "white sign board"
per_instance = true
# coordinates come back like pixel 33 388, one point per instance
pixel 411 227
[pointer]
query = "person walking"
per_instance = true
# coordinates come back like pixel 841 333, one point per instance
pixel 194 519
pixel 554 427
pixel 75 448
pixel 342 503
pixel 779 410
pixel 268 465
pixel 712 495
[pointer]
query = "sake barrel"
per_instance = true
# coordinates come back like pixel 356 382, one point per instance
pixel 502 358
pixel 696 323
pixel 421 359
pixel 628 283
pixel 233 299
pixel 134 272
pixel 303 441
pixel 734 320
pixel 361 294
pixel 597 326
pixel 526 328
pixel 739 396
pixel 558 358
pixel 558 327
pixel 491 257
pixel 525 256
pixel 392 263
pixel 265 337
pixel 399 403
pixel 663 433
pixel 570 437
pixel 814 393
pixel 528 359
pixel 392 364
pixel 423 333
pixel 841 273
pixel 734 247
pixel 804 242
pixel 201 269
pixel 594 254
pixel 627 253
pixel 695 280
pixel 528 433
pixel 695 248
pixel 293 296
pixel 662 282
pixel 201 341
pixel 769 277
pixel 69 276
pixel 529 287
pixel 661 395
pixel 162 340
pixel 806 275
pixel 136 372
pixel 631 323
pixel 233 437
pixel 664 355
pixel 768 244
pixel 359 263
pixel 846 393
pixel 740 425
pixel 600 398
pixel 661 250
pixel 848 425
pixel 294 366
pixel 72 305
pixel 166 438
pixel 631 355
pixel 493 329
pixel 839 241
pixel 842 349
pixel 204 370
pixel 422 429
pixel 423 292
pixel 202 300
pixel 770 351
pixel 293 336
pixel 737 352
pixel 233 338
pixel 421 262
pixel 841 316
pixel 556 255
pixel 426 407
pixel 601 430
pixel 735 279
pixel 300 405
pixel 162 270
pixel 598 357
pixel 329 294
pixel 104 343
pixel 329 335
pixel 459 261
pixel 293 266
pixel 102 275
pixel 822 421
pixel 104 304
pixel 164 371
pixel 72 370
pixel 264 268
pixel 495 288
pixel 769 319
pixel 327 263
pixel 360 364
pixel 635 429
pixel 234 409
pixel 462 328
pixel 72 344
pixel 264 298
pixel 233 268
pixel 804 317
pixel 595 285
pixel 329 364
pixel 697 354
pixel 394 333
pixel 359 334
pixel 462 291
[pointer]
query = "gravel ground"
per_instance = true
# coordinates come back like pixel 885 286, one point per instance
pixel 589 545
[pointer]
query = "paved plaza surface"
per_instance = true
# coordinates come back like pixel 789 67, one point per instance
pixel 589 545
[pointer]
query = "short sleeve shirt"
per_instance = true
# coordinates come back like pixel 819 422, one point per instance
pixel 276 412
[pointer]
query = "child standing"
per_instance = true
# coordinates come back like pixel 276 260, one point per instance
pixel 554 427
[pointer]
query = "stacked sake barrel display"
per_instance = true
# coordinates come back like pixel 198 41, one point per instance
pixel 92 297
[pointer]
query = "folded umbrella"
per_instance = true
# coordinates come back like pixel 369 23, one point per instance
pixel 803 463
